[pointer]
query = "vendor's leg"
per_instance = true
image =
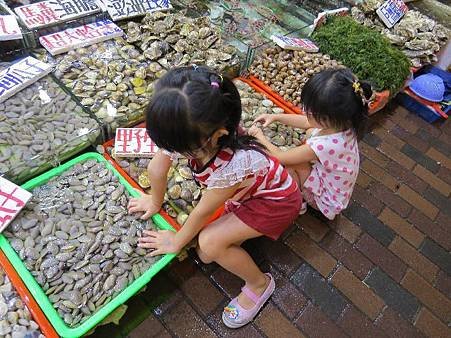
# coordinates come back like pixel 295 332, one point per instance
pixel 220 242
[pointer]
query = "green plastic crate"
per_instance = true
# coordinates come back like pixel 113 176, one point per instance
pixel 61 328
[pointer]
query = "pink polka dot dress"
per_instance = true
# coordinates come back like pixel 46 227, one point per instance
pixel 331 182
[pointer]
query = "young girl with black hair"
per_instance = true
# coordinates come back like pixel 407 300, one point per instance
pixel 196 113
pixel 327 165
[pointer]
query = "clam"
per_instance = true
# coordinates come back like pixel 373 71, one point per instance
pixel 72 251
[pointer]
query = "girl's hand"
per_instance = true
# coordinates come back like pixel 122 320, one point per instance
pixel 144 203
pixel 257 133
pixel 161 241
pixel 266 119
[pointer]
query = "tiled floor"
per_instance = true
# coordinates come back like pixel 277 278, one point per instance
pixel 382 269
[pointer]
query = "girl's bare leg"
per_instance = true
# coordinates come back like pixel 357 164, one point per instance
pixel 300 173
pixel 220 242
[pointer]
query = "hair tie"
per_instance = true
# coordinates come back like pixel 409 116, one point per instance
pixel 215 84
pixel 195 67
pixel 359 91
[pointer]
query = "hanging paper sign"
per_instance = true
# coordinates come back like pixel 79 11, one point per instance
pixel 82 36
pixel 20 75
pixel 121 9
pixel 12 199
pixel 322 17
pixel 9 28
pixel 134 142
pixel 391 11
pixel 286 42
pixel 50 12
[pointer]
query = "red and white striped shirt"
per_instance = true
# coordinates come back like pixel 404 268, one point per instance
pixel 259 175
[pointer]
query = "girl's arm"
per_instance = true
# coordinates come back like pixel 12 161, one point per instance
pixel 158 175
pixel 292 120
pixel 292 157
pixel 158 169
pixel 165 241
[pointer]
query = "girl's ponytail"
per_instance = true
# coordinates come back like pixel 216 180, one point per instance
pixel 360 117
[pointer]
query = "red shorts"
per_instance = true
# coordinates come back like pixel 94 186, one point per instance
pixel 269 217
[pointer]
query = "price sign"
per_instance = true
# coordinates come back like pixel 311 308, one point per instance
pixel 12 199
pixel 50 12
pixel 37 15
pixel 322 17
pixel 9 28
pixel 121 9
pixel 82 36
pixel 134 142
pixel 20 75
pixel 71 9
pixel 391 11
pixel 286 42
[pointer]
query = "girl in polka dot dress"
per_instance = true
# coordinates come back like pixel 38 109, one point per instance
pixel 327 165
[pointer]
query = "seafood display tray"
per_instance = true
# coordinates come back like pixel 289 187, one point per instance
pixel 44 325
pixel 36 291
pixel 133 183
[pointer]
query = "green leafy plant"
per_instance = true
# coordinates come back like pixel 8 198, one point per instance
pixel 369 54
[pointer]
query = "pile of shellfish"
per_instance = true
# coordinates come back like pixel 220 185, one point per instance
pixel 255 104
pixel 287 71
pixel 182 193
pixel 418 36
pixel 77 239
pixel 113 79
pixel 15 318
pixel 175 40
pixel 37 125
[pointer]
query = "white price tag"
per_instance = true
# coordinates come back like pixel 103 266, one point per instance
pixel 20 75
pixel 121 9
pixel 9 28
pixel 134 142
pixel 12 199
pixel 50 12
pixel 286 42
pixel 391 11
pixel 82 36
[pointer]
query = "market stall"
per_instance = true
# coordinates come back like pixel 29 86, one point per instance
pixel 73 73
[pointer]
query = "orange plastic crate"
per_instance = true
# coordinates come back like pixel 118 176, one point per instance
pixel 44 325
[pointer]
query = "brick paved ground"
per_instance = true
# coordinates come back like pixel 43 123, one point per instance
pixel 381 270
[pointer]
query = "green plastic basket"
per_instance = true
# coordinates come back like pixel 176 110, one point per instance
pixel 61 328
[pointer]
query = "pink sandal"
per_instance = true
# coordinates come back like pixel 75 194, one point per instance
pixel 234 316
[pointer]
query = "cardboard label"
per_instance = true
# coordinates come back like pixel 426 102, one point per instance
pixel 322 17
pixel 290 43
pixel 20 75
pixel 121 9
pixel 134 142
pixel 391 11
pixel 9 28
pixel 50 12
pixel 82 36
pixel 12 199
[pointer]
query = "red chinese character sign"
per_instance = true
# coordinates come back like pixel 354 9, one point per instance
pixel 82 36
pixel 50 12
pixel 9 28
pixel 391 11
pixel 12 200
pixel 134 142
pixel 286 42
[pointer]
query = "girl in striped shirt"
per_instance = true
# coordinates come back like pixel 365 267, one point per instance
pixel 196 113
